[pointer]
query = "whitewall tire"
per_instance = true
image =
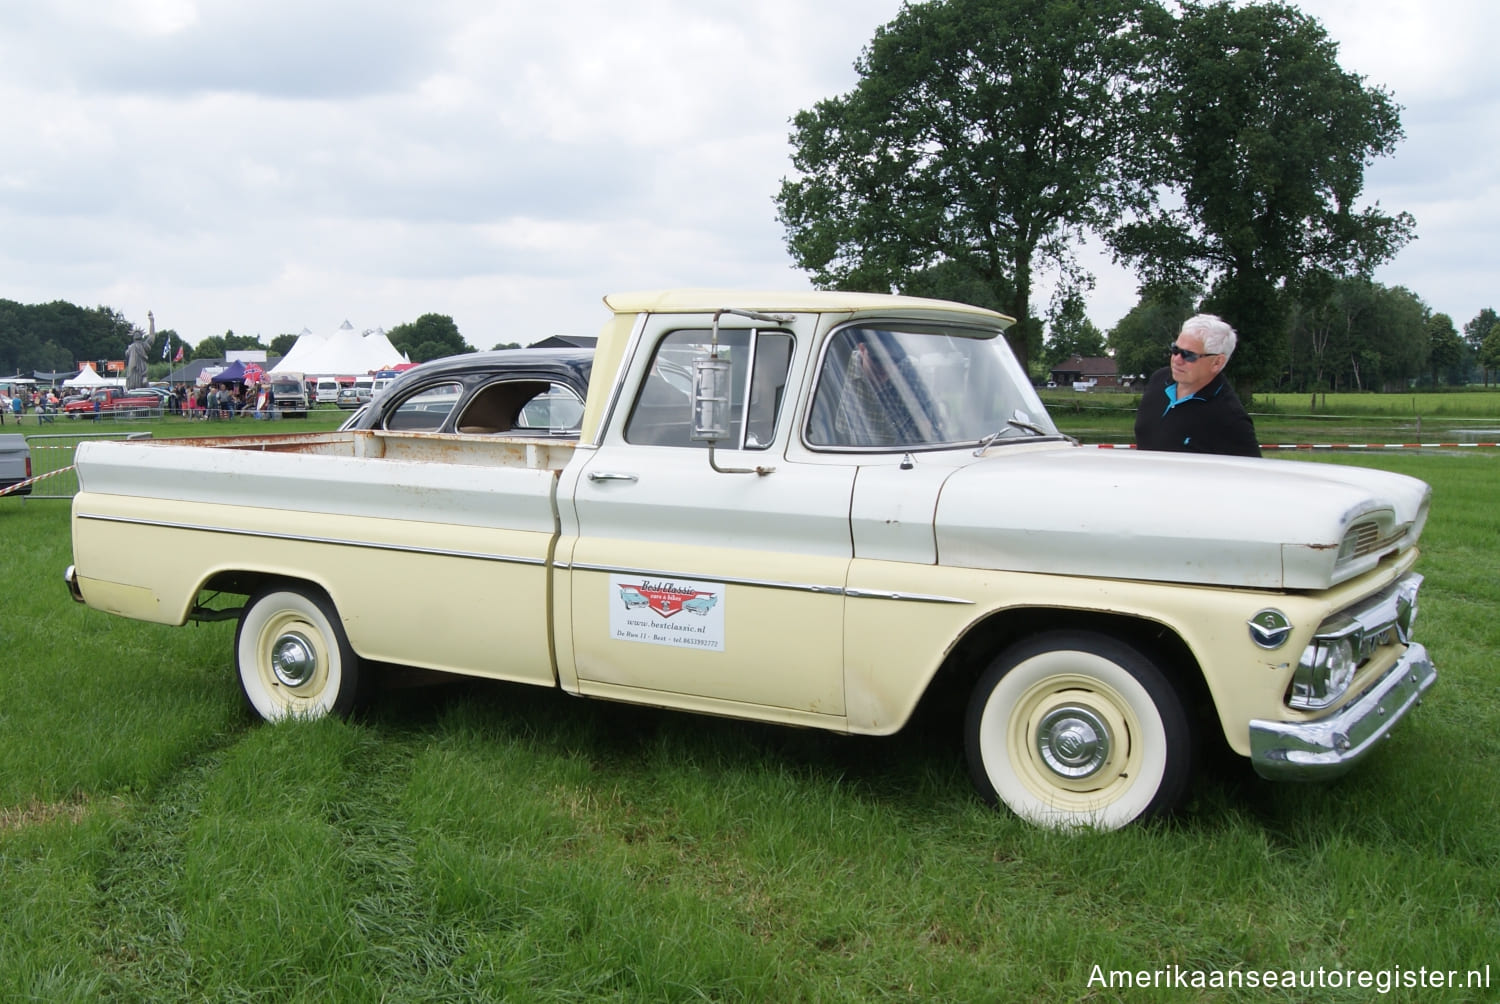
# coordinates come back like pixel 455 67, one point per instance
pixel 293 657
pixel 1074 728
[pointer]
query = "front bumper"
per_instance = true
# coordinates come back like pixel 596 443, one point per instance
pixel 1327 747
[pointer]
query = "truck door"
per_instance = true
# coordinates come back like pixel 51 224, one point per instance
pixel 700 589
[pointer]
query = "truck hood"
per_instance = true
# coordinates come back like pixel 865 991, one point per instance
pixel 1168 517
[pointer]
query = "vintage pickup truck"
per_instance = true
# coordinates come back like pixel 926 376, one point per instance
pixel 115 400
pixel 804 508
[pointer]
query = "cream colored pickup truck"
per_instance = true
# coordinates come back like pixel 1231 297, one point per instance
pixel 806 508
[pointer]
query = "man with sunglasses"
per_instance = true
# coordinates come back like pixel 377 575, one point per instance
pixel 1189 407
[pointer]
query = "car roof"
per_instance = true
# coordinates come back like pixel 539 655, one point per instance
pixel 570 365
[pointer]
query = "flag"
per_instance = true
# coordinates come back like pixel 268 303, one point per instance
pixel 166 346
pixel 178 358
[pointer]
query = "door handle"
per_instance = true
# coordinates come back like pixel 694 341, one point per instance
pixel 610 476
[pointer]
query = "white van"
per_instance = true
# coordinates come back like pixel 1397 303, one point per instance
pixel 328 391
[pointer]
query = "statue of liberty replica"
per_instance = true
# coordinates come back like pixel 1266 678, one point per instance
pixel 135 354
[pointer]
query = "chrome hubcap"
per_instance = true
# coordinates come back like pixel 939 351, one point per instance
pixel 1073 741
pixel 293 660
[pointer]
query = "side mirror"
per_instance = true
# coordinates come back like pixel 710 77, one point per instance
pixel 711 383
pixel 711 408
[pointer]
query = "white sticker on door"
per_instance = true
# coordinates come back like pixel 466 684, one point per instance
pixel 676 612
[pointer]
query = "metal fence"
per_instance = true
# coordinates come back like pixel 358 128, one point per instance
pixel 52 473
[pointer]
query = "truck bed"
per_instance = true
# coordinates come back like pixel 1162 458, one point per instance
pixel 490 481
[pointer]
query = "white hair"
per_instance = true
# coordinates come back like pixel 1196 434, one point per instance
pixel 1218 337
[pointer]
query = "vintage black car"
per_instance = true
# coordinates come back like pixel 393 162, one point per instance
pixel 516 391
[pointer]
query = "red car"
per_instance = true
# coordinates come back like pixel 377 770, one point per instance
pixel 112 399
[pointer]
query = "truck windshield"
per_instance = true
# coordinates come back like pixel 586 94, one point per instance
pixel 883 388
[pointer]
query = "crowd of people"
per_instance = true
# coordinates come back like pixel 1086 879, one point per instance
pixel 43 402
pixel 217 401
pixel 209 401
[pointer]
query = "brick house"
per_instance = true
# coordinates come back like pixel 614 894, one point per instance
pixel 1099 369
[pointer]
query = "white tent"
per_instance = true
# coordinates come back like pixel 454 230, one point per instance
pixel 88 378
pixel 305 347
pixel 345 352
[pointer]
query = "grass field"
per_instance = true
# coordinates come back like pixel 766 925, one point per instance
pixel 489 842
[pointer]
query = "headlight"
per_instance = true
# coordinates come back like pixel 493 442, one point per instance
pixel 1350 638
pixel 1323 673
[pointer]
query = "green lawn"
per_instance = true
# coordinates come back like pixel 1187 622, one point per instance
pixel 488 842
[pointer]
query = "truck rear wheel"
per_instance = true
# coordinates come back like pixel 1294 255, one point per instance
pixel 293 657
pixel 1073 728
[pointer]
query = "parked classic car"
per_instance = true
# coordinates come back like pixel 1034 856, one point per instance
pixel 516 391
pixel 353 397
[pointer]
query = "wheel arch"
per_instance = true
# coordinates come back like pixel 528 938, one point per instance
pixel 245 582
pixel 966 661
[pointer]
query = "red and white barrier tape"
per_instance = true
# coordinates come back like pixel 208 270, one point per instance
pixel 31 481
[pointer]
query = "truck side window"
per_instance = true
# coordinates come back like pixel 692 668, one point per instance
pixel 759 363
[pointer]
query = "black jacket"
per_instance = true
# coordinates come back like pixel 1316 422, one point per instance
pixel 1211 421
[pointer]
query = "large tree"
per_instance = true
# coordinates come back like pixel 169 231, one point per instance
pixel 1478 327
pixel 1392 348
pixel 982 137
pixel 57 336
pixel 1070 332
pixel 1359 335
pixel 1476 331
pixel 430 336
pixel 1264 145
pixel 1445 354
pixel 1489 352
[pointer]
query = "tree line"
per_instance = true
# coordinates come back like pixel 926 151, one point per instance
pixel 1359 336
pixel 1218 149
pixel 58 337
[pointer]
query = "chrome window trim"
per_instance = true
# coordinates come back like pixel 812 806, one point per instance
pixel 617 389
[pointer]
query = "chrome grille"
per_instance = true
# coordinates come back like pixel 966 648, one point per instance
pixel 1365 538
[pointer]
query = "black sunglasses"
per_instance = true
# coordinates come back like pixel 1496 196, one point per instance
pixel 1189 356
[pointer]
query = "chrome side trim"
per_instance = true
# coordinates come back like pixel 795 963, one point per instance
pixel 881 594
pixel 511 559
pixel 801 587
pixel 1329 746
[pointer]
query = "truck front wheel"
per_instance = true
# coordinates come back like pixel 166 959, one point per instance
pixel 293 657
pixel 1074 728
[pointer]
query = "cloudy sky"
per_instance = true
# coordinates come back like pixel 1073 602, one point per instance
pixel 269 166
